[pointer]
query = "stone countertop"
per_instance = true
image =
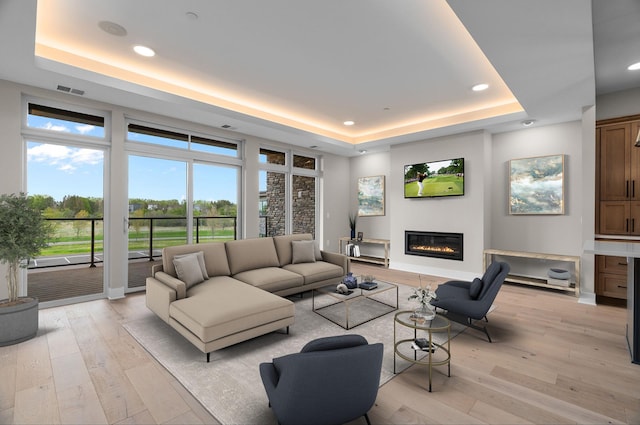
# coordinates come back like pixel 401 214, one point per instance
pixel 617 249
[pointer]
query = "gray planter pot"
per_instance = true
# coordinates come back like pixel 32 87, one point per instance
pixel 19 322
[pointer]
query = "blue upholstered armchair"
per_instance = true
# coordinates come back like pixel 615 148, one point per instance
pixel 333 380
pixel 466 302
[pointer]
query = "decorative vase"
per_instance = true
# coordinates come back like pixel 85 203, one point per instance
pixel 426 311
pixel 353 233
pixel 350 280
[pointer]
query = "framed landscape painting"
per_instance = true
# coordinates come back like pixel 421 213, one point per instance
pixel 370 196
pixel 536 185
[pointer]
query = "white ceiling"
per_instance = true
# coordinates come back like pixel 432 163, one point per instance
pixel 294 71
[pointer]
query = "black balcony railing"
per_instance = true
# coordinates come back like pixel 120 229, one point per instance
pixel 80 241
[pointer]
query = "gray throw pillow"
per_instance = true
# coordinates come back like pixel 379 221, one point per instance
pixel 190 267
pixel 475 288
pixel 303 252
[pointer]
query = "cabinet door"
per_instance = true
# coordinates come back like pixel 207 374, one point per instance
pixel 634 189
pixel 612 285
pixel 615 163
pixel 634 218
pixel 614 218
pixel 612 265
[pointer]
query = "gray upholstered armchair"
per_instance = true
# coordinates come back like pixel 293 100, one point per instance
pixel 333 380
pixel 466 302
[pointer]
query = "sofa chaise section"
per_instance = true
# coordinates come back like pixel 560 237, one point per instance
pixel 223 311
pixel 239 293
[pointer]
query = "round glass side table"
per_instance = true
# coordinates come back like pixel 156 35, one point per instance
pixel 435 353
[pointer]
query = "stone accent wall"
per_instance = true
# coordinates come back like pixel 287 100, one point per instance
pixel 304 205
pixel 276 190
pixel 303 199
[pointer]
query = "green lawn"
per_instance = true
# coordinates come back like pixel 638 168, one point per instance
pixel 439 185
pixel 68 242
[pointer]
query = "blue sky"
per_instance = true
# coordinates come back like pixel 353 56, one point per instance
pixel 57 170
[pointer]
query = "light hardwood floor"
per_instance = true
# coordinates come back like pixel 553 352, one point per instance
pixel 553 361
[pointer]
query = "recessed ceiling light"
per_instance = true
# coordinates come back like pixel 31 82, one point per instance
pixel 348 123
pixel 192 16
pixel 362 151
pixel 528 123
pixel 480 87
pixel 634 66
pixel 144 51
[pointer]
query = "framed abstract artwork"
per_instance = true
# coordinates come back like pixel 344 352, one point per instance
pixel 370 196
pixel 536 185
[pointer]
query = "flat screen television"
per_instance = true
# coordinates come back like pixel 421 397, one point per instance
pixel 434 179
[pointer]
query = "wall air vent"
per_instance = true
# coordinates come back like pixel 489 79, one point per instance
pixel 70 90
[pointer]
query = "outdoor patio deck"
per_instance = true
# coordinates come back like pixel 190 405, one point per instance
pixel 74 281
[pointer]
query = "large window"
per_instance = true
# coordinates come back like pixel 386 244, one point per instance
pixel 65 153
pixel 183 188
pixel 181 140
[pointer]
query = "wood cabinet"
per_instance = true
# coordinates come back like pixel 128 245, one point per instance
pixel 620 217
pixel 618 192
pixel 611 276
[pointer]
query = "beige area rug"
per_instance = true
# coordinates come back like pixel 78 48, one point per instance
pixel 230 388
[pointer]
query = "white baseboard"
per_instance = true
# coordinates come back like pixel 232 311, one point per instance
pixel 588 298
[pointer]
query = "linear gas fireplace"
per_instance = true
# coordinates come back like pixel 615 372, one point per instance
pixel 433 244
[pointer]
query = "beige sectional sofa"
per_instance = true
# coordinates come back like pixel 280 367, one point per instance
pixel 221 293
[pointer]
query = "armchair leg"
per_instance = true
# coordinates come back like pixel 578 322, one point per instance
pixel 479 328
pixel 366 416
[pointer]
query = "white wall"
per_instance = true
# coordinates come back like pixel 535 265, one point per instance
pixel 553 234
pixel 11 158
pixel 460 214
pixel 374 227
pixel 618 104
pixel 335 204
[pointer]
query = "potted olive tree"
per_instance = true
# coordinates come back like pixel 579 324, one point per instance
pixel 23 234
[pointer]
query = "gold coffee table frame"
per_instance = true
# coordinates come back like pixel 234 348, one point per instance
pixel 357 295
pixel 439 324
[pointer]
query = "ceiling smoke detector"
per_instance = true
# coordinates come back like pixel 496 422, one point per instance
pixel 112 28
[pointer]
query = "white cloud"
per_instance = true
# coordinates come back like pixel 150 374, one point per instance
pixel 50 126
pixel 84 129
pixel 64 158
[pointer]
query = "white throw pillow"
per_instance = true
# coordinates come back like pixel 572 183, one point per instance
pixel 190 268
pixel 303 252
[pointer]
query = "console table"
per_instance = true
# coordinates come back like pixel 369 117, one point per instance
pixel 539 279
pixel 367 258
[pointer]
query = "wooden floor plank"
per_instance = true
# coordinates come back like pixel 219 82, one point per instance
pixel 164 403
pixel 553 360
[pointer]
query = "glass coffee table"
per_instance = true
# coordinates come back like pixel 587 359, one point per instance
pixel 433 353
pixel 356 308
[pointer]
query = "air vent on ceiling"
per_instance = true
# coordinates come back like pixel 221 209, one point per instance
pixel 70 90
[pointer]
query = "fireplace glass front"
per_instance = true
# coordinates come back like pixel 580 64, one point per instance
pixel 434 244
